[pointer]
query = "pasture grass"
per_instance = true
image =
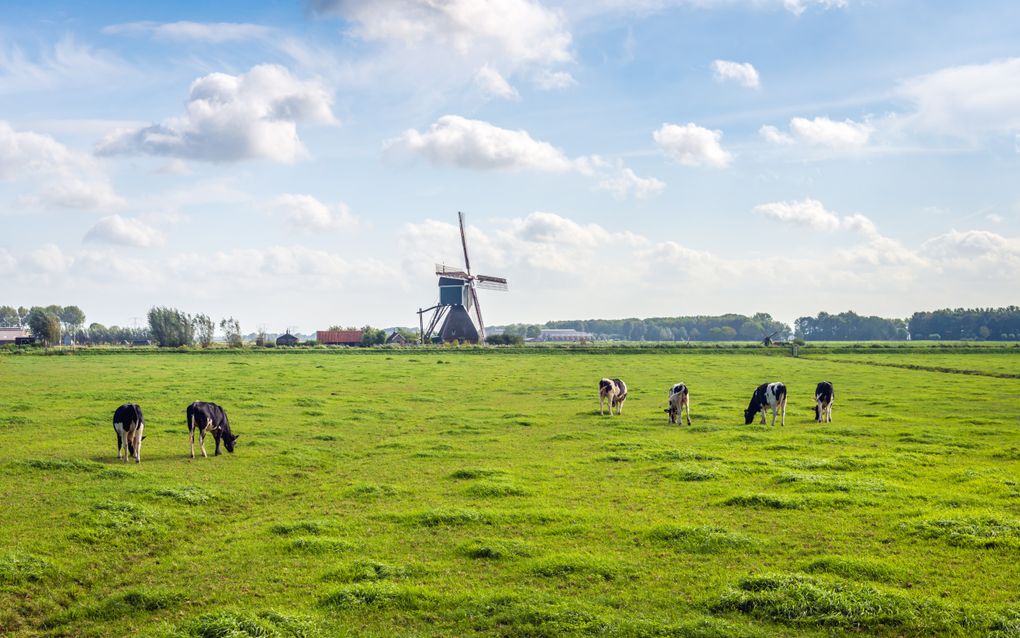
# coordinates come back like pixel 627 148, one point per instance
pixel 447 492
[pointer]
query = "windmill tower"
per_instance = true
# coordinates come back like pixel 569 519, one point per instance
pixel 458 294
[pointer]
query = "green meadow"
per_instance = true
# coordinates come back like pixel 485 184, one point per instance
pixel 448 493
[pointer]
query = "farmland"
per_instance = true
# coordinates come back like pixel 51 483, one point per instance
pixel 437 493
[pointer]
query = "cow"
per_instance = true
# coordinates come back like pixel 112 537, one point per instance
pixel 129 424
pixel 824 396
pixel 615 391
pixel 679 398
pixel 767 395
pixel 209 417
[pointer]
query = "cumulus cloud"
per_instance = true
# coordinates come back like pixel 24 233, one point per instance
pixel 554 80
pixel 456 140
pixel 821 131
pixel 57 175
pixel 114 229
pixel 742 73
pixel 475 144
pixel 48 259
pixel 520 31
pixel 966 101
pixel 974 249
pixel 692 145
pixel 214 32
pixel 806 212
pixel 308 213
pixel 492 84
pixel 235 117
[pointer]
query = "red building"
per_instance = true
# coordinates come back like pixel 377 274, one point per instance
pixel 338 337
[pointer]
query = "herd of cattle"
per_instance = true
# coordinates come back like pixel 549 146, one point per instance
pixel 766 396
pixel 209 418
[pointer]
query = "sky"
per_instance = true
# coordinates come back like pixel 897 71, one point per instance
pixel 301 164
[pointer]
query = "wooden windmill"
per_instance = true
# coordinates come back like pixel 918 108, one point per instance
pixel 458 294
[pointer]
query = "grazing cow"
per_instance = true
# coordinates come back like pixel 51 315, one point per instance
pixel 615 390
pixel 767 395
pixel 209 417
pixel 679 398
pixel 824 396
pixel 128 424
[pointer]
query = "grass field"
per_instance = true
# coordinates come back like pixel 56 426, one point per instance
pixel 445 494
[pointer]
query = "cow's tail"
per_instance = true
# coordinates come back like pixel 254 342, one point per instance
pixel 191 419
pixel 781 395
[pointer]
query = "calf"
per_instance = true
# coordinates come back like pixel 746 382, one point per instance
pixel 824 396
pixel 679 398
pixel 209 417
pixel 615 390
pixel 767 395
pixel 128 424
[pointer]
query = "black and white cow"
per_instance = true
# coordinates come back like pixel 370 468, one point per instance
pixel 209 417
pixel 128 424
pixel 679 398
pixel 824 396
pixel 615 390
pixel 767 395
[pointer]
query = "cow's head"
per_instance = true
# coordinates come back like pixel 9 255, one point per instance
pixel 818 413
pixel 671 410
pixel 228 441
pixel 749 415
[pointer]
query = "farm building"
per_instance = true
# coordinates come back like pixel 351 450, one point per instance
pixel 287 340
pixel 338 337
pixel 564 334
pixel 9 335
pixel 396 338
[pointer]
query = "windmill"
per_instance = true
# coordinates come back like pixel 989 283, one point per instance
pixel 458 294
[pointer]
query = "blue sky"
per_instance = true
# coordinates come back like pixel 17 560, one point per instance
pixel 301 164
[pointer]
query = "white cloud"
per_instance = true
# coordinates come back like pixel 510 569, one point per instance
pixel 308 213
pixel 554 80
pixel 692 145
pixel 798 7
pixel 214 32
pixel 67 64
pixel 492 84
pixel 742 73
pixel 7 261
pixel 474 144
pixel 58 175
pixel 114 229
pixel 974 249
pixel 518 31
pixel 807 212
pixel 48 259
pixel 625 183
pixel 456 140
pixel 821 131
pixel 235 117
pixel 966 101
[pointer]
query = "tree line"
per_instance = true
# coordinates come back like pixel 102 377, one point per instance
pixel 991 324
pixel 729 327
pixel 849 326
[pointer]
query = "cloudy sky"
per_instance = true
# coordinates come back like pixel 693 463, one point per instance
pixel 302 163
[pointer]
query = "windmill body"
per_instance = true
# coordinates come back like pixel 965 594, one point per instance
pixel 458 296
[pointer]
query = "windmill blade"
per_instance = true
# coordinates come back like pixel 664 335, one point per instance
pixel 498 280
pixel 492 285
pixel 451 271
pixel 463 242
pixel 478 313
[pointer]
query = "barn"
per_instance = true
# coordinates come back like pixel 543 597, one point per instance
pixel 338 337
pixel 396 338
pixel 10 335
pixel 287 340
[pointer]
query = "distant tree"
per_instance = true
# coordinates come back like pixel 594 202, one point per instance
pixel 372 336
pixel 9 317
pixel 73 319
pixel 504 340
pixel 232 332
pixel 170 327
pixel 22 315
pixel 44 324
pixel 98 333
pixel 205 329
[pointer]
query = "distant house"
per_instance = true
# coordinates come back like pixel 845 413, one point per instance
pixel 338 337
pixel 564 334
pixel 287 340
pixel 10 335
pixel 397 338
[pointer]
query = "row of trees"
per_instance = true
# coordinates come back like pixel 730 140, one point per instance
pixel 172 328
pixel 729 327
pixel 52 321
pixel 849 326
pixel 994 324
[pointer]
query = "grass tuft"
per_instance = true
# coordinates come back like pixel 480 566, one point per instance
pixel 320 545
pixel 228 624
pixel 765 500
pixel 17 568
pixel 75 466
pixel 186 495
pixel 312 528
pixel 980 532
pixel 367 570
pixel 853 568
pixel 370 490
pixel 468 474
pixel 488 489
pixel 119 606
pixel 495 548
pixel 447 516
pixel 575 565
pixel 688 472
pixel 699 540
pixel 381 595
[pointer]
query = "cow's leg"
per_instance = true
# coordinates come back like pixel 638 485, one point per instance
pixel 192 433
pixel 828 412
pixel 216 436
pixel 782 408
pixel 764 412
pixel 619 408
pixel 138 444
pixel 117 434
pixel 202 440
pixel 602 410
